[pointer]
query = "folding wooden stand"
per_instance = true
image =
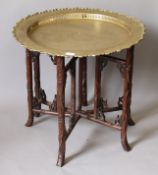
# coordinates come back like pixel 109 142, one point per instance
pixel 57 106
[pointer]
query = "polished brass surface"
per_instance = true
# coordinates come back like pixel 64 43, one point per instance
pixel 78 32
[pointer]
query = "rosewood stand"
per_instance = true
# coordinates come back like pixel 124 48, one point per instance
pixel 37 96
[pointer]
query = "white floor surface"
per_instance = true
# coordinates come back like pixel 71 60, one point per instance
pixel 91 149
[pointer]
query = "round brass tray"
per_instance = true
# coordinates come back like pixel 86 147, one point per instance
pixel 78 32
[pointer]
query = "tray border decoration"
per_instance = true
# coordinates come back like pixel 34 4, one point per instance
pixel 29 44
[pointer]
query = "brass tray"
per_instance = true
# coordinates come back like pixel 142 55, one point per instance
pixel 78 32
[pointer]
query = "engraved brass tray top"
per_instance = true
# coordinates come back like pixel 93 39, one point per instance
pixel 78 32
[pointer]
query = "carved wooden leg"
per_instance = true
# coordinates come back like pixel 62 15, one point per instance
pixel 29 88
pixel 61 108
pixel 126 99
pixel 97 86
pixel 130 60
pixel 37 79
pixel 82 82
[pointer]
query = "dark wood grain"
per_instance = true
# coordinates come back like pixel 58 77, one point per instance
pixel 82 82
pixel 61 109
pixel 73 93
pixel 29 88
pixel 37 86
pixel 97 85
pixel 130 61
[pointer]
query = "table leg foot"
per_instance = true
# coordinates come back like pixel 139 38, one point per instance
pixel 61 160
pixel 131 122
pixel 29 122
pixel 124 126
pixel 124 141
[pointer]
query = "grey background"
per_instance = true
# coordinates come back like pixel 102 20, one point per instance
pixel 12 66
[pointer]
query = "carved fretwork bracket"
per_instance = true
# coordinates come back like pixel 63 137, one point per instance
pixel 118 120
pixel 34 55
pixel 123 68
pixel 43 97
pixel 120 101
pixel 103 63
pixel 53 59
pixel 102 106
pixel 53 106
pixel 35 103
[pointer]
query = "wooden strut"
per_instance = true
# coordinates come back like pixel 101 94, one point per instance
pixel 90 117
pixel 78 114
pixel 37 79
pixel 82 82
pixel 73 118
pixel 114 59
pixel 73 92
pixel 97 86
pixel 108 109
pixel 70 64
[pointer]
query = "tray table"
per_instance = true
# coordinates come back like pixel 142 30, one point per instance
pixel 79 34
